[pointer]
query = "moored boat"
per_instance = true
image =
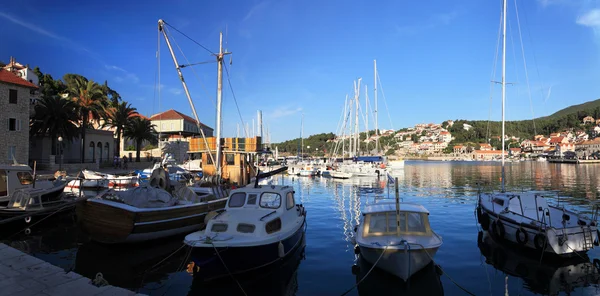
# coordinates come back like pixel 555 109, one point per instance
pixel 260 225
pixel 145 213
pixel 397 238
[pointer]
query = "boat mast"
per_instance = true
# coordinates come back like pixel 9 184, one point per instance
pixel 367 117
pixel 375 90
pixel 503 83
pixel 219 101
pixel 161 28
pixel 356 134
pixel 302 137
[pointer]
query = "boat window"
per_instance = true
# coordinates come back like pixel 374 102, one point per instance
pixel 252 199
pixel 237 200
pixel 415 222
pixel 3 183
pixel 273 226
pixel 377 223
pixel 25 178
pixel 290 200
pixel 270 200
pixel 245 228
pixel 219 227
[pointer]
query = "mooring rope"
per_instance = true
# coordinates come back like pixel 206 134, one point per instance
pixel 366 275
pixel 227 268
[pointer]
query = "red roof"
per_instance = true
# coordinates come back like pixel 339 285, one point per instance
pixel 140 116
pixel 11 78
pixel 172 114
pixel 555 140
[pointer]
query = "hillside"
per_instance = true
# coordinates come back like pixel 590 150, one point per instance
pixel 482 131
pixel 591 108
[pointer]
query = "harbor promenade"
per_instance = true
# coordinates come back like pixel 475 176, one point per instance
pixel 22 274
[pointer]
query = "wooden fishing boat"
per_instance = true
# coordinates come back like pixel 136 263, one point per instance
pixel 145 213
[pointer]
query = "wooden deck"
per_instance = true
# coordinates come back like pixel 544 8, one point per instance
pixel 23 274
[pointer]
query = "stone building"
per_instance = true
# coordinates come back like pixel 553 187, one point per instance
pixel 15 95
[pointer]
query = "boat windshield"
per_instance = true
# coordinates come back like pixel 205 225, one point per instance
pixel 270 200
pixel 237 200
pixel 384 223
pixel 25 178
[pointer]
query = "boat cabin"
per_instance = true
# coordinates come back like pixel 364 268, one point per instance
pixel 380 220
pixel 14 177
pixel 263 210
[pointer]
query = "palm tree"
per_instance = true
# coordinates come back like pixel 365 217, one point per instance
pixel 140 129
pixel 89 98
pixel 55 116
pixel 118 116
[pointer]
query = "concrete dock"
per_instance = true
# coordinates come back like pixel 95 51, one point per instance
pixel 22 274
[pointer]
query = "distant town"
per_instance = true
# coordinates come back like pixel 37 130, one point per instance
pixel 436 140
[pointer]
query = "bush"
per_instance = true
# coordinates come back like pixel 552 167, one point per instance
pixel 149 147
pixel 130 148
pixel 390 152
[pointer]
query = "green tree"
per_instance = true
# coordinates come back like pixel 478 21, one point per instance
pixel 118 116
pixel 89 98
pixel 140 130
pixel 54 116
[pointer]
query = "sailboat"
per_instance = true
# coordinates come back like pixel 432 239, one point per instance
pixel 526 218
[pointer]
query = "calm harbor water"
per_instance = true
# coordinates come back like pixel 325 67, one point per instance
pixel 324 267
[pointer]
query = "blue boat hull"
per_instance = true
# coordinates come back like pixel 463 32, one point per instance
pixel 208 265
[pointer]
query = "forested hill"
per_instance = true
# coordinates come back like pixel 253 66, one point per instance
pixel 482 131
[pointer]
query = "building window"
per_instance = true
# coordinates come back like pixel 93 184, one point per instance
pixel 12 96
pixel 230 159
pixel 14 124
pixel 12 152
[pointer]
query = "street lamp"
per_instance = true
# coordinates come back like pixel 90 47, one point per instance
pixel 60 153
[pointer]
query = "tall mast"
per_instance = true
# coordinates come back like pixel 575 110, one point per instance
pixel 503 83
pixel 302 136
pixel 376 119
pixel 356 134
pixel 344 128
pixel 219 101
pixel 367 115
pixel 161 28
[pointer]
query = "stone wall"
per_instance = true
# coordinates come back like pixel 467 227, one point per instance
pixel 19 111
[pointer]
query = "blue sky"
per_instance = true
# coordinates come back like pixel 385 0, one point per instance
pixel 435 58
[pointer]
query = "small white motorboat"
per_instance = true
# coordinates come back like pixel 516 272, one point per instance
pixel 259 226
pixel 340 175
pixel 114 181
pixel 397 238
pixel 527 219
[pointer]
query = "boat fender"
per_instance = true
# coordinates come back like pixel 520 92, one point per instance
pixel 377 172
pixel 209 216
pixel 522 241
pixel 355 269
pixel 356 250
pixel 281 250
pixel 355 228
pixel 539 241
pixel 27 231
pixel 499 229
pixel 28 219
pixel 485 221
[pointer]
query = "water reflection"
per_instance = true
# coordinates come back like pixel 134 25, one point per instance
pixel 277 279
pixel 548 277
pixel 378 282
pixel 130 266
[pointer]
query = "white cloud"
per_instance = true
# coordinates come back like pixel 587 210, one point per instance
pixel 590 19
pixel 176 91
pixel 256 8
pixel 284 111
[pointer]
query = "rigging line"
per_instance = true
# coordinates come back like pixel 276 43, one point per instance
pixel 525 66
pixel 194 64
pixel 158 87
pixel 494 69
pixel 385 101
pixel 194 72
pixel 234 98
pixel 188 37
pixel 156 72
pixel 535 60
pixel 512 42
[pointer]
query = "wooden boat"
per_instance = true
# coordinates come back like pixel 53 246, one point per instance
pixel 397 238
pixel 260 225
pixel 145 213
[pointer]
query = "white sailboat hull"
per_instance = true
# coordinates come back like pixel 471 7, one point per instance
pixel 399 262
